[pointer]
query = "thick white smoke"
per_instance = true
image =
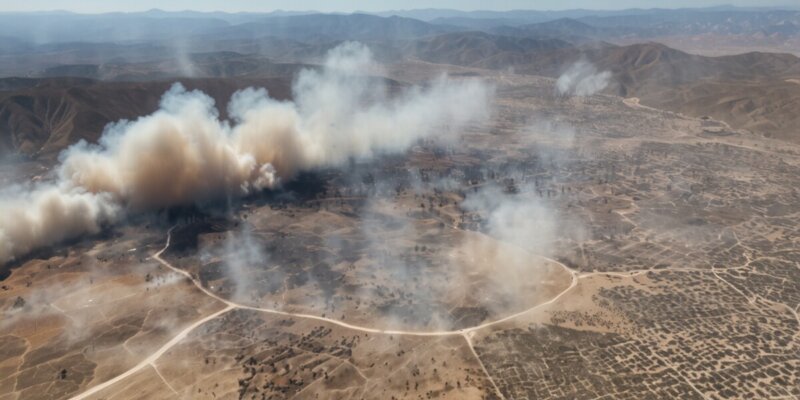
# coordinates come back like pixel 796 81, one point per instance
pixel 522 220
pixel 183 153
pixel 49 213
pixel 582 79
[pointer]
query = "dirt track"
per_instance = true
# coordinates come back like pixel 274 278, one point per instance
pixel 465 333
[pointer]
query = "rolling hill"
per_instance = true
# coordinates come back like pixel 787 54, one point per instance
pixel 40 117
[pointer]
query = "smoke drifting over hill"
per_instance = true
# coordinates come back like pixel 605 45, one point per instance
pixel 183 153
pixel 582 79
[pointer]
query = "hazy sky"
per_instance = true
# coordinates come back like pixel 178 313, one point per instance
pixel 94 6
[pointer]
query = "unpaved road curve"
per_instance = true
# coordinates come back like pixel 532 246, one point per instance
pixel 229 305
pixel 153 357
pixel 197 283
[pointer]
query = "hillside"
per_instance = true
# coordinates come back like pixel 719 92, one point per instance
pixel 748 91
pixel 40 117
pixel 256 46
pixel 480 49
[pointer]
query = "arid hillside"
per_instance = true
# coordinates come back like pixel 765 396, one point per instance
pixel 754 91
pixel 40 117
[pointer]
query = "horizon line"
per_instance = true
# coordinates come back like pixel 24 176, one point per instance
pixel 281 10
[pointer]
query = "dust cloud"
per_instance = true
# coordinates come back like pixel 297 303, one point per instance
pixel 185 154
pixel 32 217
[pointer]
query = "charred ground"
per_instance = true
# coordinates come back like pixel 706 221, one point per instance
pixel 683 270
pixel 671 270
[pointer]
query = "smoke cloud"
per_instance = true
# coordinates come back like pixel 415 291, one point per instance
pixel 518 219
pixel 582 79
pixel 45 214
pixel 184 153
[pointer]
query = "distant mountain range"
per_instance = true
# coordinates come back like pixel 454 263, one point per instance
pixel 60 27
pixel 76 61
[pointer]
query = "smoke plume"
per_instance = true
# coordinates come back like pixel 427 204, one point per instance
pixel 45 214
pixel 582 79
pixel 184 153
pixel 521 219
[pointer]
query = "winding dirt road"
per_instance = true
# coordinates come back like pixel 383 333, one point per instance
pixel 465 332
pixel 153 357
pixel 197 283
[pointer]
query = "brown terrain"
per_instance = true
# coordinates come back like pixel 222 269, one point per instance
pixel 675 268
pixel 752 91
pixel 41 117
pixel 639 242
pixel 748 91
